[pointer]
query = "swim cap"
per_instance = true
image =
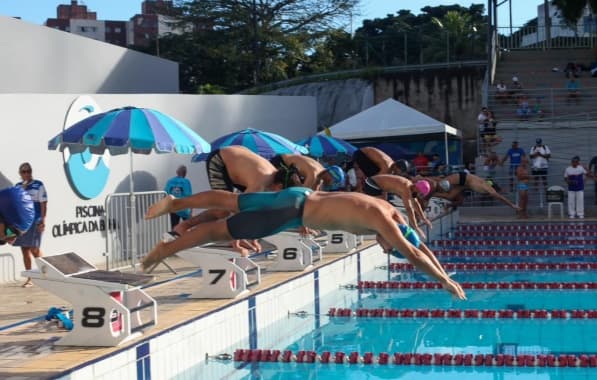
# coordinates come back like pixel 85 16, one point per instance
pixel 423 187
pixel 338 178
pixel 444 184
pixel 411 235
pixel 402 165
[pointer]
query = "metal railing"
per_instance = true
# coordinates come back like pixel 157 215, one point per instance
pixel 543 103
pixel 582 35
pixel 119 219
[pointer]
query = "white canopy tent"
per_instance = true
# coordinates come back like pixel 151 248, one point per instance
pixel 391 118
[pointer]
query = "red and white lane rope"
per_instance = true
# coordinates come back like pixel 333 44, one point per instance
pixel 563 235
pixel 513 243
pixel 526 227
pixel 502 266
pixel 477 285
pixel 514 252
pixel 416 359
pixel 462 314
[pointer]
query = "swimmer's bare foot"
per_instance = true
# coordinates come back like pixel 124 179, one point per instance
pixel 159 208
pixel 153 257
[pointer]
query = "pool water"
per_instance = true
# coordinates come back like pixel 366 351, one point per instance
pixel 514 336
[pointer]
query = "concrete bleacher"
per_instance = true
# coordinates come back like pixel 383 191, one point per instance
pixel 541 73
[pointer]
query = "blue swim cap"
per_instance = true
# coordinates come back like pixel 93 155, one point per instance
pixel 411 235
pixel 338 177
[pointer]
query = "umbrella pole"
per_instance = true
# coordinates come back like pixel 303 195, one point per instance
pixel 133 242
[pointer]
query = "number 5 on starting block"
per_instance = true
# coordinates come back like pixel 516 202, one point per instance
pixel 341 242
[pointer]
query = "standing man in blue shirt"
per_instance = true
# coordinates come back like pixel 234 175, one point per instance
pixel 515 154
pixel 179 187
pixel 30 241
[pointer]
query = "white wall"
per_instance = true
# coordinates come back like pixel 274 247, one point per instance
pixel 29 121
pixel 38 59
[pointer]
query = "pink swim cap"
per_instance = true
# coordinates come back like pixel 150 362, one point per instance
pixel 423 187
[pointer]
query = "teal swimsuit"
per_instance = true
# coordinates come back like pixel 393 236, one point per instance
pixel 267 213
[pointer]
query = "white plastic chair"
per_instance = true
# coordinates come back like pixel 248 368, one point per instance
pixel 555 197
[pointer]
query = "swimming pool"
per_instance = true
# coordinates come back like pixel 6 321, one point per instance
pixel 538 325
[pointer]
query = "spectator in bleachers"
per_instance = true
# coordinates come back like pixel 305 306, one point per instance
pixel 522 175
pixel 490 164
pixel 515 88
pixel 524 108
pixel 540 155
pixel 573 88
pixel 502 92
pixel 489 132
pixel 437 166
pixel 421 163
pixel 572 70
pixel 538 109
pixel 514 154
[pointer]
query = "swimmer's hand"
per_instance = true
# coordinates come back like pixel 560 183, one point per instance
pixel 454 288
pixel 306 231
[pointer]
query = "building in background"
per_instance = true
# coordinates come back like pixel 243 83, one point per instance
pixel 141 30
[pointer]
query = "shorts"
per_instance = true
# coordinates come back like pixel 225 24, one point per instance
pixel 539 171
pixel 31 238
pixel 217 174
pixel 267 213
pixel 277 161
pixel 365 164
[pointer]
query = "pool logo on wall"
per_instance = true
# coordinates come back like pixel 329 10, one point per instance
pixel 87 173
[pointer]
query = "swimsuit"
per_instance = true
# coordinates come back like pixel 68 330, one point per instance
pixel 267 213
pixel 217 174
pixel 462 178
pixel 365 164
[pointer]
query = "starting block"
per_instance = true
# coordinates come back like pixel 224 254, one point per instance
pixel 341 242
pixel 104 302
pixel 294 252
pixel 226 274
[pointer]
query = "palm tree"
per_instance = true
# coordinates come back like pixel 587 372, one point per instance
pixel 458 27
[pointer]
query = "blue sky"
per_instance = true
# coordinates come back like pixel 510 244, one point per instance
pixel 37 11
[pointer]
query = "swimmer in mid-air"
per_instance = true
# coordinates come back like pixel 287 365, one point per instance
pixel 263 214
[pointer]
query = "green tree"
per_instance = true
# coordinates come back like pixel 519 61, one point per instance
pixel 572 10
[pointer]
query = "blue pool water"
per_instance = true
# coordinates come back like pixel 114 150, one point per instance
pixel 436 335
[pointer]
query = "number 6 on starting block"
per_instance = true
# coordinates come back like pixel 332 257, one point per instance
pixel 295 253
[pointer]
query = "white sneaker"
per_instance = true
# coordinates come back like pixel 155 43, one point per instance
pixel 581 217
pixel 571 217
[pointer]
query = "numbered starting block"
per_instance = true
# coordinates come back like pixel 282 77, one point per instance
pixel 226 274
pixel 108 307
pixel 341 242
pixel 294 252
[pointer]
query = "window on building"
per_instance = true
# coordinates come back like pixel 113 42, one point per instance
pixel 108 29
pixel 589 24
pixel 117 30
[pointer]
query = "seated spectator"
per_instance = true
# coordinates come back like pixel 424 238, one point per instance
pixel 524 108
pixel 515 88
pixel 538 109
pixel 573 90
pixel 572 70
pixel 490 165
pixel 421 163
pixel 502 92
pixel 437 166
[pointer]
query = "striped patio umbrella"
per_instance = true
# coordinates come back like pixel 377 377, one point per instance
pixel 127 129
pixel 130 130
pixel 265 144
pixel 325 146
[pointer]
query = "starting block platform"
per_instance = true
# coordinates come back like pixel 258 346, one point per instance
pixel 341 242
pixel 226 274
pixel 107 306
pixel 294 252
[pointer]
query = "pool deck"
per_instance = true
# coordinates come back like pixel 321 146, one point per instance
pixel 26 338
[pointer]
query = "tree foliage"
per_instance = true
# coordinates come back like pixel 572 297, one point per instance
pixel 572 10
pixel 230 45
